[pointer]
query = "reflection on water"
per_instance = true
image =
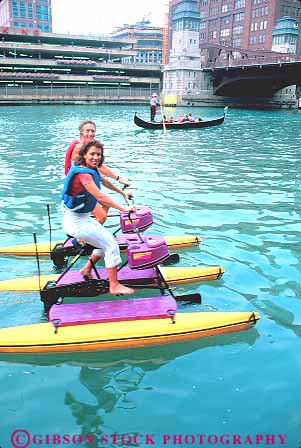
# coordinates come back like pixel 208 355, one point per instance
pixel 110 378
pixel 110 389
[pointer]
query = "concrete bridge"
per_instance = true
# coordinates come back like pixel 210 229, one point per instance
pixel 236 72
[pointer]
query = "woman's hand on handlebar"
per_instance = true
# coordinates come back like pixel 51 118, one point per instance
pixel 129 209
pixel 124 182
pixel 127 195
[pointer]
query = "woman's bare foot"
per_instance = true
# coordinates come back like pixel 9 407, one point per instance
pixel 120 289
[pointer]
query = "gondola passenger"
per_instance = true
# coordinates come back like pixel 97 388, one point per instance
pixel 166 120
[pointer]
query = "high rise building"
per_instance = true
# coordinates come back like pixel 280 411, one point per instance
pixel 28 15
pixel 149 42
pixel 182 74
pixel 245 24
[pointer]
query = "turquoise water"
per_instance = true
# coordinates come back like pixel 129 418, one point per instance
pixel 238 187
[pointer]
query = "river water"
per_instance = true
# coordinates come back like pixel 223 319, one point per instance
pixel 238 187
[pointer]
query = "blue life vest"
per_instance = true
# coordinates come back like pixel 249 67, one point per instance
pixel 82 202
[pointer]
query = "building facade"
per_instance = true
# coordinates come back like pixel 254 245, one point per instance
pixel 32 15
pixel 182 73
pixel 244 24
pixel 48 65
pixel 200 29
pixel 285 35
pixel 149 42
pixel 285 39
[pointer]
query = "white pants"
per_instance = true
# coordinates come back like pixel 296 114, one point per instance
pixel 87 229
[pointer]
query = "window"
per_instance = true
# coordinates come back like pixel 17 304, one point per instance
pixel 226 20
pixel 22 10
pixel 278 39
pixel 236 43
pixel 15 9
pixel 265 11
pixel 44 28
pixel 263 25
pixel 237 30
pixel 213 34
pixel 213 23
pixel 253 40
pixel 225 32
pixel 214 11
pixel 261 38
pixel 42 13
pixel 29 11
pixel 238 17
pixel 239 4
pixel 255 12
pixel 254 26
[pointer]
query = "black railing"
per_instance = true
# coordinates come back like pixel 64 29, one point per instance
pixel 247 61
pixel 79 92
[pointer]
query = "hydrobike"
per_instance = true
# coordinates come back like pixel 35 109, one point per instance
pixel 60 251
pixel 45 248
pixel 127 333
pixel 107 325
pixel 141 270
pixel 118 324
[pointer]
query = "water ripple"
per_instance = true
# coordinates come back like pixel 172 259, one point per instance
pixel 238 187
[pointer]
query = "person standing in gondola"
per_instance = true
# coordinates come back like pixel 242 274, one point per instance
pixel 81 193
pixel 153 103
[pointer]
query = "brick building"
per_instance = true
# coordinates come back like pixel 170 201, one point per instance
pixel 245 24
pixel 26 14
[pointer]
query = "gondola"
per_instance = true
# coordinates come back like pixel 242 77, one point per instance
pixel 186 125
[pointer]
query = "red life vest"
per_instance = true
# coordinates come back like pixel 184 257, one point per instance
pixel 69 155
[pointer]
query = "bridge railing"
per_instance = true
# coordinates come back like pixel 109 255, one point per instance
pixel 259 60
